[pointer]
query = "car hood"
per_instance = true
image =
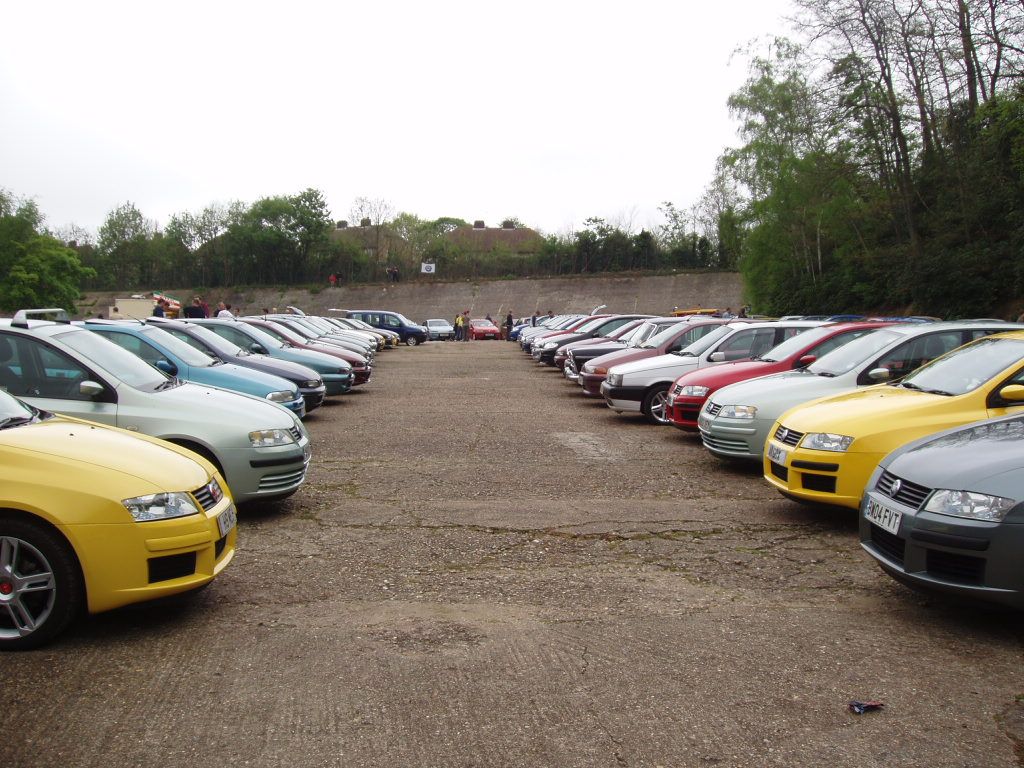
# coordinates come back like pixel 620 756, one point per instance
pixel 986 457
pixel 159 465
pixel 779 392
pixel 657 363
pixel 728 373
pixel 233 410
pixel 883 417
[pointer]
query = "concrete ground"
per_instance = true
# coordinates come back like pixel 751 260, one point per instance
pixel 486 569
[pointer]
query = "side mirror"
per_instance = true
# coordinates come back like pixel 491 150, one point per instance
pixel 1013 393
pixel 257 349
pixel 167 367
pixel 90 388
pixel 806 360
pixel 717 357
pixel 879 374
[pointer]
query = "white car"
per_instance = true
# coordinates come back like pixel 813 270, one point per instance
pixel 642 386
pixel 260 448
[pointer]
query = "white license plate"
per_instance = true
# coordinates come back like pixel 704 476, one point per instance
pixel 704 422
pixel 885 518
pixel 778 453
pixel 227 520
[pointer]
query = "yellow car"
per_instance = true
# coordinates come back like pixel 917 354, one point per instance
pixel 93 518
pixel 825 451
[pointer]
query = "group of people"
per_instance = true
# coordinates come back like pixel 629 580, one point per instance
pixel 197 308
pixel 392 274
pixel 461 324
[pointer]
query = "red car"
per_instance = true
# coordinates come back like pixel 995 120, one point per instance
pixel 360 369
pixel 483 329
pixel 672 339
pixel 690 391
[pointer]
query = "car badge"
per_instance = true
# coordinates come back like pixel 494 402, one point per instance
pixel 783 433
pixel 895 487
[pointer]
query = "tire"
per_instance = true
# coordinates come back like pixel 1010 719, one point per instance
pixel 411 341
pixel 40 584
pixel 654 404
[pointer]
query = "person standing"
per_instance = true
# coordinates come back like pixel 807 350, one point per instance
pixel 158 308
pixel 458 326
pixel 467 331
pixel 223 309
pixel 194 309
pixel 509 322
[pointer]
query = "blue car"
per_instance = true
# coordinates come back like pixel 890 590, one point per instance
pixel 176 358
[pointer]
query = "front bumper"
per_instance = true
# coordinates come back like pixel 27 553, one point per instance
pixel 133 562
pixel 682 411
pixel 820 477
pixel 314 397
pixel 734 438
pixel 965 558
pixel 622 398
pixel 337 383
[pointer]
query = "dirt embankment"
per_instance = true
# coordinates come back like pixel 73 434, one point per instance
pixel 420 299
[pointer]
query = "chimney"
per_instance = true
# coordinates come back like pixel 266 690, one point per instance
pixel 479 224
pixel 342 225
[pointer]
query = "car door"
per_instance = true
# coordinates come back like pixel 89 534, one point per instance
pixel 913 353
pixel 50 379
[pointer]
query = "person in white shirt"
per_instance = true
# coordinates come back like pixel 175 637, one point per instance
pixel 223 310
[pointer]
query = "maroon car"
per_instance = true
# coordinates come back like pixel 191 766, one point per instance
pixel 361 370
pixel 670 340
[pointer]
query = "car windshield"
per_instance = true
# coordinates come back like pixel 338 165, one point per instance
pixel 116 361
pixel 706 342
pixel 794 344
pixel 849 356
pixel 405 320
pixel 279 331
pixel 218 344
pixel 966 368
pixel 592 324
pixel 190 355
pixel 437 323
pixel 297 329
pixel 260 336
pixel 14 412
pixel 660 336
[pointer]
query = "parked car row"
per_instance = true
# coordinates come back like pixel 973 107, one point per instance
pixel 127 445
pixel 917 425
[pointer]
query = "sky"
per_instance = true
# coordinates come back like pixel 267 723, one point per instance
pixel 551 112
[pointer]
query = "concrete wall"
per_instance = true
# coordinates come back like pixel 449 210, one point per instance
pixel 421 299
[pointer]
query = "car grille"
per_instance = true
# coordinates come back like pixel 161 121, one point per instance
pixel 891 546
pixel 959 568
pixel 713 409
pixel 294 432
pixel 788 436
pixel 282 481
pixel 722 444
pixel 820 483
pixel 218 547
pixel 911 494
pixel 779 471
pixel 677 389
pixel 689 412
pixel 209 495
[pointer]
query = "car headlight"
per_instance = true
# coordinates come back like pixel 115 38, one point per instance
pixel 693 390
pixel 312 383
pixel 826 441
pixel 280 397
pixel 614 379
pixel 599 371
pixel 550 345
pixel 268 438
pixel 738 411
pixel 976 506
pixel 160 506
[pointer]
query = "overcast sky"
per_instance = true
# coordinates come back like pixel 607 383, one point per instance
pixel 548 111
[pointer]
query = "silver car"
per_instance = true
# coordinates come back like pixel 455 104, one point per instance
pixel 260 448
pixel 946 513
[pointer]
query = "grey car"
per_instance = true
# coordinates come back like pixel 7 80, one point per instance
pixel 946 513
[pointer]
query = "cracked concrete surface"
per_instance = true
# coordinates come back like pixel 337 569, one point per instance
pixel 486 569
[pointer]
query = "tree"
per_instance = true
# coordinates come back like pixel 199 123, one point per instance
pixel 37 269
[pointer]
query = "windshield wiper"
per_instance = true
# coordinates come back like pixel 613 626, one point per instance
pixel 169 384
pixel 826 374
pixel 13 421
pixel 926 390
